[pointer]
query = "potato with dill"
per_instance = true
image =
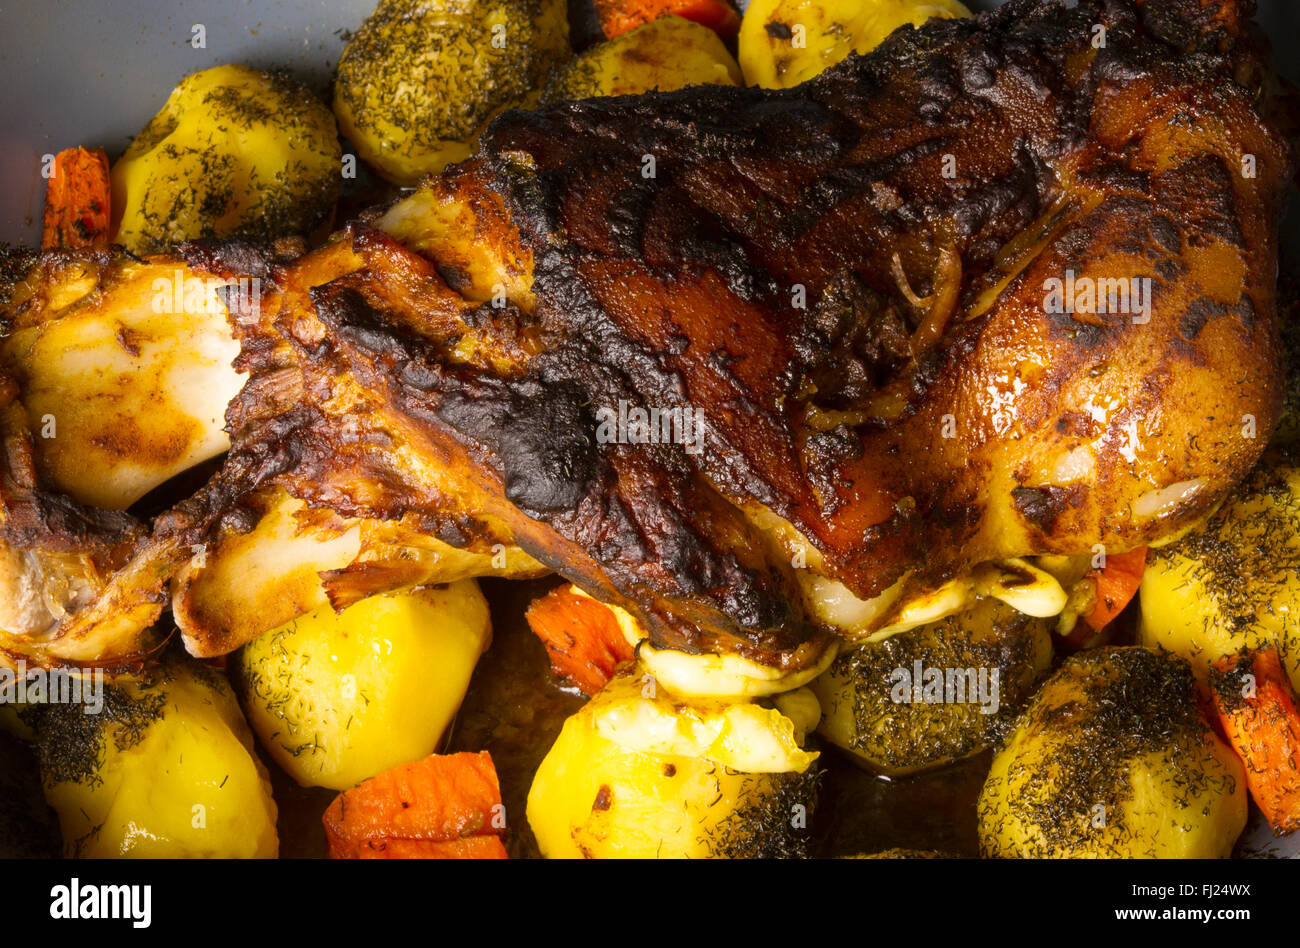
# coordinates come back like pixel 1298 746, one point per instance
pixel 880 704
pixel 234 151
pixel 1233 583
pixel 1114 759
pixel 339 697
pixel 665 54
pixel 166 769
pixel 639 773
pixel 420 78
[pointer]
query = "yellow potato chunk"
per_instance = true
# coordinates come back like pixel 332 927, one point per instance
pixel 785 42
pixel 165 770
pixel 665 54
pixel 420 78
pixel 1234 583
pixel 1114 759
pixel 234 151
pixel 598 794
pixel 339 697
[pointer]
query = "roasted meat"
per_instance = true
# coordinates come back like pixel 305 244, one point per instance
pixel 107 390
pixel 124 369
pixel 1004 287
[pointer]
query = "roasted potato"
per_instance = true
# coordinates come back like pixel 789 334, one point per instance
pixel 638 773
pixel 785 42
pixel 339 697
pixel 1113 758
pixel 1235 583
pixel 664 54
pixel 234 151
pixel 990 652
pixel 166 769
pixel 420 78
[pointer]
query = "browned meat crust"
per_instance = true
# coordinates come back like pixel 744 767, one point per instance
pixel 849 280
pixel 680 290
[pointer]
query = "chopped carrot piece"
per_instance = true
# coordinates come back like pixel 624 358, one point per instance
pixel 582 637
pixel 1263 726
pixel 618 16
pixel 471 847
pixel 77 200
pixel 441 799
pixel 1117 584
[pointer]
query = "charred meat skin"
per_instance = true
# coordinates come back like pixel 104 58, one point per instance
pixel 1010 143
pixel 678 288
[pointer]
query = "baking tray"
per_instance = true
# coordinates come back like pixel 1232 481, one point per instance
pixel 89 72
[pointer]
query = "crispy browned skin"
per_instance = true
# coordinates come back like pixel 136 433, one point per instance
pixel 1132 155
pixel 910 419
pixel 74 588
pixel 320 421
pixel 67 596
pixel 107 390
pixel 679 290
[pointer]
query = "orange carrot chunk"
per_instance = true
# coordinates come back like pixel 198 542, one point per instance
pixel 582 637
pixel 1117 584
pixel 618 16
pixel 77 200
pixel 1260 721
pixel 446 799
